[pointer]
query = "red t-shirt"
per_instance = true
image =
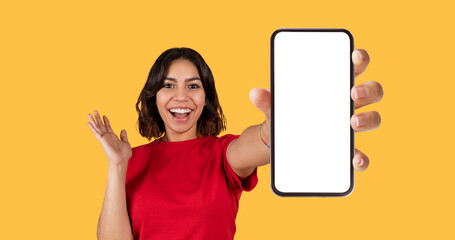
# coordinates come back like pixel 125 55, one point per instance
pixel 184 190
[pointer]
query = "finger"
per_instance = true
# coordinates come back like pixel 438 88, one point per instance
pixel 123 136
pixel 360 161
pixel 366 93
pixel 101 126
pixel 97 135
pixel 108 124
pixel 261 99
pixel 93 123
pixel 365 121
pixel 361 59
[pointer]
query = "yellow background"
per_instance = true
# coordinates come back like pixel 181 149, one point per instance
pixel 60 60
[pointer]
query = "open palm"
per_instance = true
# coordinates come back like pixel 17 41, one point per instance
pixel 118 151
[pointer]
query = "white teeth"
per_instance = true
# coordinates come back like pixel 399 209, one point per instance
pixel 178 110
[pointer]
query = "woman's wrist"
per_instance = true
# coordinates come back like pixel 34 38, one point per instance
pixel 261 135
pixel 118 169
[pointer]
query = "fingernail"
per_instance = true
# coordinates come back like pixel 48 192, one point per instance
pixel 360 92
pixel 359 161
pixel 360 121
pixel 251 91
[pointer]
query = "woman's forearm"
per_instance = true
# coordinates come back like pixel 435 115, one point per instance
pixel 248 151
pixel 254 151
pixel 114 222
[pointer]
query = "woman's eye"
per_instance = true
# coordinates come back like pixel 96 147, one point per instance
pixel 194 86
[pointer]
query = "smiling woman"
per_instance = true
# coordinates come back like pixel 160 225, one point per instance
pixel 181 185
pixel 179 79
pixel 187 183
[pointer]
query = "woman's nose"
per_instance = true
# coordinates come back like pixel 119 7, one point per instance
pixel 181 94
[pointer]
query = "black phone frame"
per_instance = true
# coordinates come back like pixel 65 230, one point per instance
pixel 272 85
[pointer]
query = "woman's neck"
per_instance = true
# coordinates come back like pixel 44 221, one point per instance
pixel 179 137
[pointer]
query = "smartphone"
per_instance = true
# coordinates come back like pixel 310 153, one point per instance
pixel 312 141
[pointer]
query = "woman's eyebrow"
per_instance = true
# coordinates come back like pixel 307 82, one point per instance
pixel 186 80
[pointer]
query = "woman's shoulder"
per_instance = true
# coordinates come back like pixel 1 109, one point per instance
pixel 140 149
pixel 228 137
pixel 222 141
pixel 223 138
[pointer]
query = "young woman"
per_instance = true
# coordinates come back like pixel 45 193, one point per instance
pixel 187 183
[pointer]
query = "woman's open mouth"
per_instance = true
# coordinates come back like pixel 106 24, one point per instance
pixel 180 115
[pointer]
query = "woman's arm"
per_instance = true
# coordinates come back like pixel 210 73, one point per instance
pixel 248 151
pixel 114 222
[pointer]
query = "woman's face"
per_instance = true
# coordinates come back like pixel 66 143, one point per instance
pixel 181 100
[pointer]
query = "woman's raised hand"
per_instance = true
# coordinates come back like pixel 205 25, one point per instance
pixel 118 151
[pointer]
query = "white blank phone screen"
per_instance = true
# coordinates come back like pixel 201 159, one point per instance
pixel 312 133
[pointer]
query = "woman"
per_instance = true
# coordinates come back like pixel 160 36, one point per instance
pixel 187 183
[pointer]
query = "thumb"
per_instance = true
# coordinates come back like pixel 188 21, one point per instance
pixel 123 136
pixel 261 99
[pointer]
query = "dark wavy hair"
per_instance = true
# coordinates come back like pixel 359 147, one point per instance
pixel 151 125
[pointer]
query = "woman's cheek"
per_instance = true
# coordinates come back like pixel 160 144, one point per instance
pixel 201 98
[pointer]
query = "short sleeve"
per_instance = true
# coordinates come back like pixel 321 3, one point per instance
pixel 133 164
pixel 244 184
